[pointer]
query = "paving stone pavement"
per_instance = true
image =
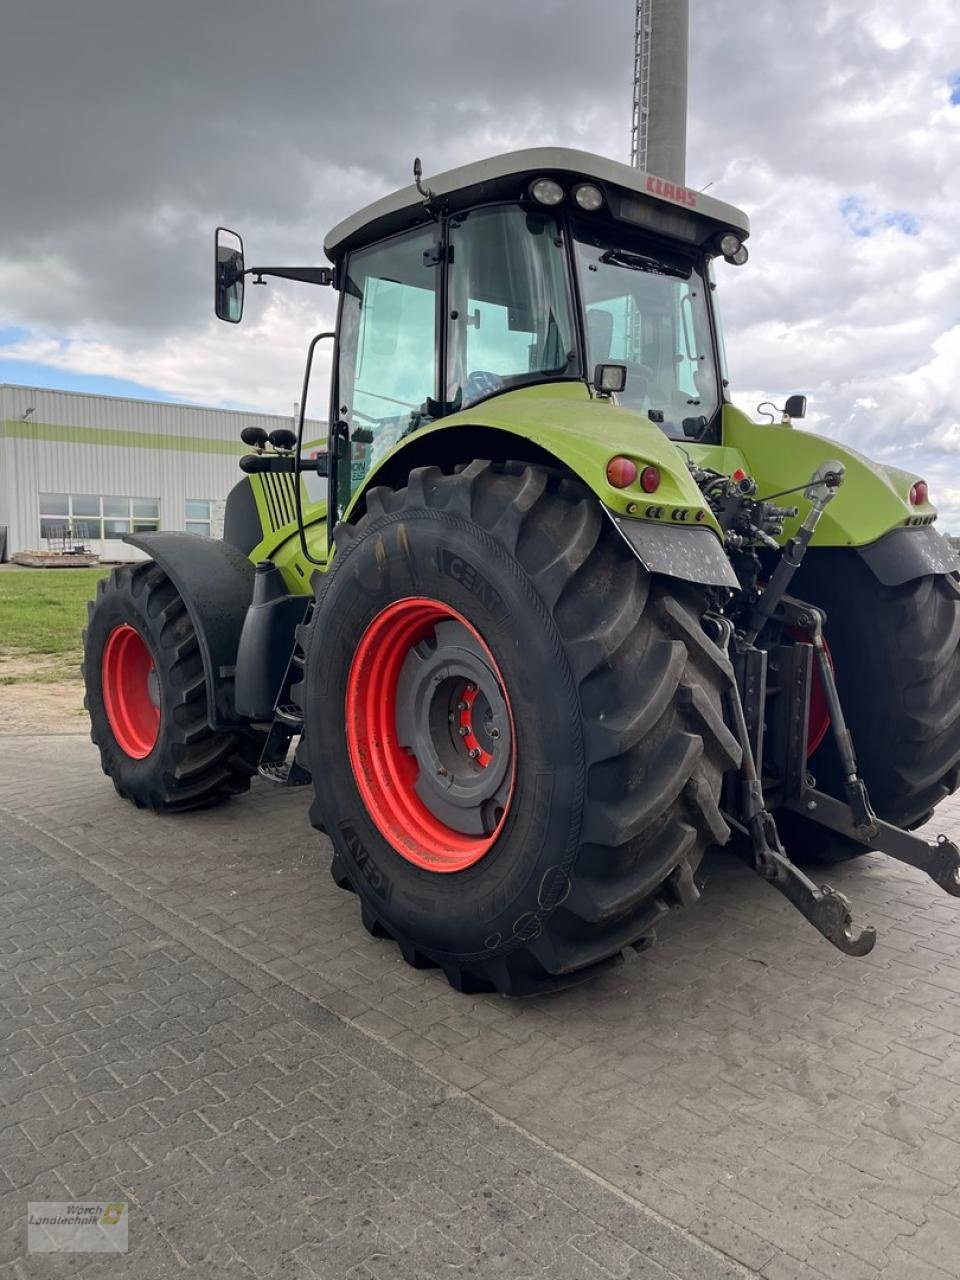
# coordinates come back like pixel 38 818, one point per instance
pixel 253 1134
pixel 797 1110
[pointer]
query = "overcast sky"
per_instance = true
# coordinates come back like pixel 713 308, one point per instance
pixel 129 128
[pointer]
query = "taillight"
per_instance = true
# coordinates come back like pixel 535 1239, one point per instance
pixel 919 494
pixel 621 472
pixel 649 479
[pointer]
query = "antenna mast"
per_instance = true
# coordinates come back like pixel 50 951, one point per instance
pixel 641 85
pixel 658 137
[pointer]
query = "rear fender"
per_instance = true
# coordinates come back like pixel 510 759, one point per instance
pixel 215 582
pixel 671 531
pixel 872 513
pixel 905 554
pixel 872 501
pixel 561 421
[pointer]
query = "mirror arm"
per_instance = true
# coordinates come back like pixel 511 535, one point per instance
pixel 309 275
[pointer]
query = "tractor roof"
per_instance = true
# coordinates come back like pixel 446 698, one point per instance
pixel 638 198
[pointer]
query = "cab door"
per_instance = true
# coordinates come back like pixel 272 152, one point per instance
pixel 389 342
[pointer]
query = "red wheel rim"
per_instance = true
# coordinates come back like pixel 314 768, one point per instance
pixel 818 715
pixel 130 693
pixel 430 730
pixel 818 721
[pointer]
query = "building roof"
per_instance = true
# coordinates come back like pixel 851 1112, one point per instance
pixel 506 176
pixel 160 404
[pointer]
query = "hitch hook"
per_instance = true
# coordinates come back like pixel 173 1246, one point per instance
pixel 827 909
pixel 944 868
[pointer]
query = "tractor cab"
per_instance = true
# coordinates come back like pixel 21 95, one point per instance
pixel 545 266
pixel 539 266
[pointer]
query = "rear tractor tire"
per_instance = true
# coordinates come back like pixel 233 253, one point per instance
pixel 147 698
pixel 896 653
pixel 522 735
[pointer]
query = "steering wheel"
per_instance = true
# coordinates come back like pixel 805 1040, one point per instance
pixel 481 382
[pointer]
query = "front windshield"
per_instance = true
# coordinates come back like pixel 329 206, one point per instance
pixel 648 310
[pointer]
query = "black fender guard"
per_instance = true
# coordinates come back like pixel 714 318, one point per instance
pixel 690 552
pixel 907 553
pixel 215 581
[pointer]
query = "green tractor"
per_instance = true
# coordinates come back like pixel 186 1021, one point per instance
pixel 545 616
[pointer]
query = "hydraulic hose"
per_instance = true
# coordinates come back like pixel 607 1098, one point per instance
pixel 821 490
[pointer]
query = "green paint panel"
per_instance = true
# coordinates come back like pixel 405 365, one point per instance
pixel 872 500
pixel 585 432
pixel 282 545
pixel 288 557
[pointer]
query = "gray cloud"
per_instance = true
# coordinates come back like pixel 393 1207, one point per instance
pixel 128 130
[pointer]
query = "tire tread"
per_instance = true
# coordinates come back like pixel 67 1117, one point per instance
pixel 200 766
pixel 653 766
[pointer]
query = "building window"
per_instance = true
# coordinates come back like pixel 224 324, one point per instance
pixel 197 515
pixel 145 514
pixel 84 517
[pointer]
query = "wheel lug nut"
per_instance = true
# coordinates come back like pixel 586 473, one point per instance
pixel 461 706
pixel 463 731
pixel 471 688
pixel 474 753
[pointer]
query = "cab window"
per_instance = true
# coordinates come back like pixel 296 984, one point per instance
pixel 648 310
pixel 509 318
pixel 387 372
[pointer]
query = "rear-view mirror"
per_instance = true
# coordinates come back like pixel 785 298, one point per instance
pixel 796 407
pixel 228 276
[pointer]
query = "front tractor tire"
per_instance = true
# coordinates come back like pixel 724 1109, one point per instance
pixel 146 695
pixel 521 735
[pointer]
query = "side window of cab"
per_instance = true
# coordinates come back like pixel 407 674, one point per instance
pixel 387 373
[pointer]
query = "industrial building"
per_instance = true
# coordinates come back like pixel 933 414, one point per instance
pixel 83 470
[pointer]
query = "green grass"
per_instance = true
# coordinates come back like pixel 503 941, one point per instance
pixel 43 611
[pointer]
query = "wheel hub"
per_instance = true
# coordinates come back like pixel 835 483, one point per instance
pixel 453 719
